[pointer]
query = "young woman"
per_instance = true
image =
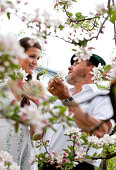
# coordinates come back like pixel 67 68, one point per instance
pixel 18 144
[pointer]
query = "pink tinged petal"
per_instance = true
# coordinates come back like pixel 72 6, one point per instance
pixel 13 101
pixel 25 3
pixel 20 83
pixel 103 10
pixel 35 20
pixel 51 163
pixel 23 118
pixel 36 101
pixel 53 152
pixel 18 2
pixel 45 42
pixel 98 13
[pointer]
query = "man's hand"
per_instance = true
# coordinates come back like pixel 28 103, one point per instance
pixel 57 88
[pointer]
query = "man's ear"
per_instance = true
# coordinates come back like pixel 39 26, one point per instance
pixel 91 67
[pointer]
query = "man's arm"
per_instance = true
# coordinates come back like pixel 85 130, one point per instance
pixel 83 120
pixel 87 122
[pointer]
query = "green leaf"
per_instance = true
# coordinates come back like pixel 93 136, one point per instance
pixel 95 154
pixel 113 17
pixel 74 50
pixel 70 147
pixel 8 15
pixel 88 157
pixel 35 136
pixel 82 42
pixel 16 127
pixel 79 16
pixel 52 99
pixel 44 37
pixel 107 67
pixel 61 27
pixel 71 156
pixel 70 14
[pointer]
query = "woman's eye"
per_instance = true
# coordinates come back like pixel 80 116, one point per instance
pixel 31 56
pixel 38 58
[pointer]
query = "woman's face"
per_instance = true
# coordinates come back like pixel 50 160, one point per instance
pixel 29 64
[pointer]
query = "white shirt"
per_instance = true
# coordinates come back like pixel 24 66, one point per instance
pixel 92 100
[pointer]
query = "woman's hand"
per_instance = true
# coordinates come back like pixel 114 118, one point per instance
pixel 33 90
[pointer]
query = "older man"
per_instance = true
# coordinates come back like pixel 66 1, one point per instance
pixel 89 104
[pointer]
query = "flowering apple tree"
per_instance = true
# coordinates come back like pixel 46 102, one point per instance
pixel 81 30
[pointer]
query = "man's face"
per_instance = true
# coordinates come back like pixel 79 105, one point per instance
pixel 77 72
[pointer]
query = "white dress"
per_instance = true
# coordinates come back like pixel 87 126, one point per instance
pixel 17 144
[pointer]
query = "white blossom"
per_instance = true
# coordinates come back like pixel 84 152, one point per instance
pixel 11 46
pixel 59 158
pixel 100 7
pixel 22 72
pixel 34 116
pixel 105 140
pixel 80 153
pixel 97 73
pixel 32 113
pixel 32 159
pixel 14 167
pixel 69 2
pixel 5 158
pixel 83 53
pixel 73 130
pixel 93 139
pixel 61 75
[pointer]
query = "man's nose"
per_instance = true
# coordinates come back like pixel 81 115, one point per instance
pixel 70 67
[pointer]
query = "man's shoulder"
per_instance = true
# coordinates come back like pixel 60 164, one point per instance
pixel 94 89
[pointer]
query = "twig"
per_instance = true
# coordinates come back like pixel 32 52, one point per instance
pixel 114 26
pixel 100 30
pixel 80 20
pixel 110 155
pixel 92 27
pixel 46 148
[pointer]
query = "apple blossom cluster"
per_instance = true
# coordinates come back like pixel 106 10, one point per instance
pixel 60 160
pixel 74 153
pixel 83 53
pixel 106 140
pixel 97 73
pixel 60 75
pixel 34 116
pixel 10 51
pixel 66 3
pixel 114 66
pixel 6 162
pixel 21 74
pixel 9 45
pixel 5 5
pixel 100 8
pixel 43 23
pixel 73 131
pixel 102 75
pixel 10 6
